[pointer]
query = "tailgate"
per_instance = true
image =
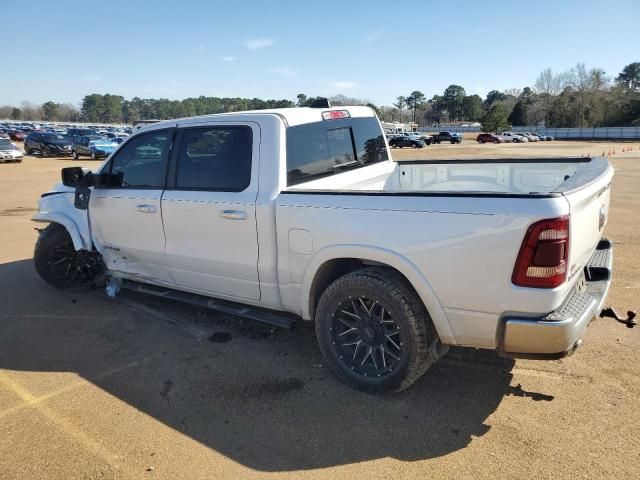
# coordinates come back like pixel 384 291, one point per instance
pixel 588 194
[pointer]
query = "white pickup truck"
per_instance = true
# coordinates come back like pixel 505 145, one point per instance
pixel 301 213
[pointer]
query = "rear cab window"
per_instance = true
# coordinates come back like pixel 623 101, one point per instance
pixel 324 148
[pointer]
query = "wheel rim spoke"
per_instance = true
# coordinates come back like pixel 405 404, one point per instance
pixel 366 336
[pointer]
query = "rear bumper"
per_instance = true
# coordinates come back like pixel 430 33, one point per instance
pixel 559 333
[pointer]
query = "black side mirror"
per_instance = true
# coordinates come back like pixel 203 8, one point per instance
pixel 72 176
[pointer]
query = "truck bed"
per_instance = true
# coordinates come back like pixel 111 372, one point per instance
pixel 508 177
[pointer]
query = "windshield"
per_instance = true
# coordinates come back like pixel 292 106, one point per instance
pixel 50 137
pixel 316 150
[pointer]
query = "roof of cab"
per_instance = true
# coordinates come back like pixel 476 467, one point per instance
pixel 291 116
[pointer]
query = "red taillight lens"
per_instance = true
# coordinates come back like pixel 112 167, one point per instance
pixel 543 256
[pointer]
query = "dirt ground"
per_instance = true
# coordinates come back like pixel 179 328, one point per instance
pixel 134 388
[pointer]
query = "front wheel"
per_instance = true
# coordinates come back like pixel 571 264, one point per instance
pixel 93 156
pixel 27 150
pixel 44 153
pixel 374 331
pixel 60 264
pixel 75 155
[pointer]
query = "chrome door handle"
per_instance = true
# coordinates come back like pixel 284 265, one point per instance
pixel 146 208
pixel 234 214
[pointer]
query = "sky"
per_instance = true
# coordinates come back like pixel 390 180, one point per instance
pixel 63 50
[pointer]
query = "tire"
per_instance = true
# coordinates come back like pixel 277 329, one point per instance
pixel 481 142
pixel 413 145
pixel 75 155
pixel 93 156
pixel 59 264
pixel 27 151
pixel 496 141
pixel 388 318
pixel 44 153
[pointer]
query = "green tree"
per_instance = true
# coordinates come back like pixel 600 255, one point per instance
pixel 494 96
pixel 518 115
pixel 630 77
pixel 453 97
pixel 472 108
pixel 302 100
pixel 495 119
pixel 400 103
pixel 91 110
pixel 16 113
pixel 414 101
pixel 50 110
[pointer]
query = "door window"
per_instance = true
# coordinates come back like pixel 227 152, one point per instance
pixel 142 161
pixel 214 159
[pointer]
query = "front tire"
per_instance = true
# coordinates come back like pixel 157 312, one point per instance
pixel 374 331
pixel 93 156
pixel 58 263
pixel 44 153
pixel 75 155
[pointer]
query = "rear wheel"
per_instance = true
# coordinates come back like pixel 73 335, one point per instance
pixel 44 153
pixel 495 140
pixel 414 145
pixel 374 331
pixel 27 150
pixel 60 264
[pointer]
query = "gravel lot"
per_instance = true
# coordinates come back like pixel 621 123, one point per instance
pixel 134 388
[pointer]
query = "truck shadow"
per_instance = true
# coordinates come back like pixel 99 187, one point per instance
pixel 261 398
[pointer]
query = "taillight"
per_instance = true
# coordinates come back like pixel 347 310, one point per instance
pixel 543 256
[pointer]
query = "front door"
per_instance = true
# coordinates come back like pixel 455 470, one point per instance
pixel 126 222
pixel 209 210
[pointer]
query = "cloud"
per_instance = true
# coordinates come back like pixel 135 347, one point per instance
pixel 284 70
pixel 256 43
pixel 340 84
pixel 373 36
pixel 227 58
pixel 91 78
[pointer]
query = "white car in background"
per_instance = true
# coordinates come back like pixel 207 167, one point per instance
pixel 512 137
pixel 529 136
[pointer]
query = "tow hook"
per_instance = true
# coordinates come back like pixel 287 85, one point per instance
pixel 113 287
pixel 630 321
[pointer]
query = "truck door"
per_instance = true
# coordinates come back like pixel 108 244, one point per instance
pixel 126 221
pixel 209 209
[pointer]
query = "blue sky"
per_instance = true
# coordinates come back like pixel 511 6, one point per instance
pixel 64 50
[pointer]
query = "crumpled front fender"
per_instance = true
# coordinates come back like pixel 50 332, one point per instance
pixel 58 208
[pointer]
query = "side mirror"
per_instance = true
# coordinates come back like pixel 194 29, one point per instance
pixel 72 176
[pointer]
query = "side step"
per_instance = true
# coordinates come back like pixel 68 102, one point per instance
pixel 257 314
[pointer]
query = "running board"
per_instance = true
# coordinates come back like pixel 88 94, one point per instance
pixel 257 314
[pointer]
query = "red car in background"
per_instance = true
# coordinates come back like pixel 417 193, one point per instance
pixel 17 135
pixel 488 138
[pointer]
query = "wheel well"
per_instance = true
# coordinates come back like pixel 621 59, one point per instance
pixel 331 270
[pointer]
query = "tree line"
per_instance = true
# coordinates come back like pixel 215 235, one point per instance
pixel 578 97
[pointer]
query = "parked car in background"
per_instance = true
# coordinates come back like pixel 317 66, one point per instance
pixel 529 136
pixel 400 141
pixel 451 137
pixel 93 146
pixel 427 139
pixel 16 135
pixel 544 138
pixel 118 140
pixel 9 152
pixel 73 133
pixel 4 135
pixel 512 137
pixel 47 144
pixel 488 138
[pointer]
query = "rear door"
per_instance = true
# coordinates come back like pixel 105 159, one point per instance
pixel 126 221
pixel 209 209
